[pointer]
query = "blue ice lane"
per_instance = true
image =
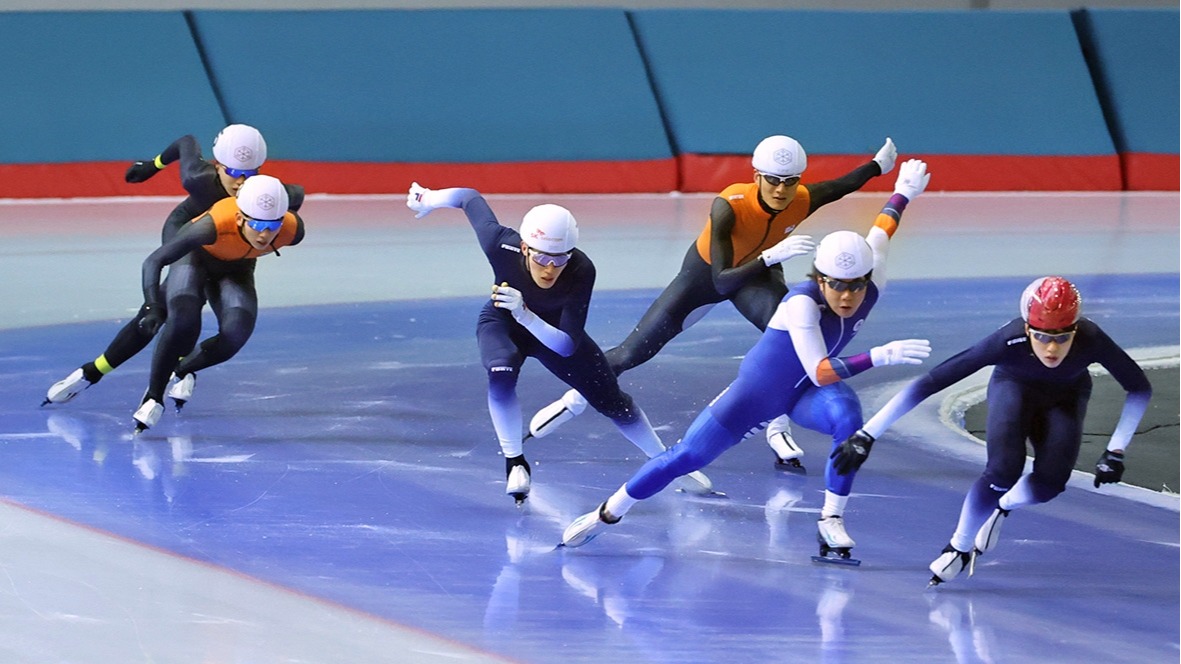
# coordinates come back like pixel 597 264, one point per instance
pixel 347 453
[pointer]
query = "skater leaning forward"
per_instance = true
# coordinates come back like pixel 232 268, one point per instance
pixel 1038 391
pixel 212 259
pixel 794 369
pixel 538 308
pixel 239 152
pixel 738 256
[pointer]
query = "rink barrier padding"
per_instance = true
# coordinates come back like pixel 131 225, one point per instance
pixel 1133 59
pixel 642 101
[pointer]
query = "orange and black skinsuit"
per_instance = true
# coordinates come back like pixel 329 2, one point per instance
pixel 209 260
pixel 724 263
pixel 200 179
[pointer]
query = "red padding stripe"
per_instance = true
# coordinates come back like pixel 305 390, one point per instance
pixel 711 173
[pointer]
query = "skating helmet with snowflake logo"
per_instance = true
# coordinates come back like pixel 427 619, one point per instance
pixel 780 155
pixel 240 147
pixel 843 255
pixel 263 197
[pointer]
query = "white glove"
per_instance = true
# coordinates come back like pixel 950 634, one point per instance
pixel 788 248
pixel 905 351
pixel 423 200
pixel 886 156
pixel 507 297
pixel 912 179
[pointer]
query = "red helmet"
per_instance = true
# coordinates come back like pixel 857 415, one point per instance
pixel 1050 303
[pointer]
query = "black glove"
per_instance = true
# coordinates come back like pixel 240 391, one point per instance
pixel 849 455
pixel 141 171
pixel 151 317
pixel 1109 468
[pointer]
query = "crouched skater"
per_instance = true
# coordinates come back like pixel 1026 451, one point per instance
pixel 1038 391
pixel 538 307
pixel 795 370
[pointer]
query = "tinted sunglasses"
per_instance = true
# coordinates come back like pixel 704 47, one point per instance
pixel 545 260
pixel 841 285
pixel 775 180
pixel 261 225
pixel 1049 338
pixel 237 173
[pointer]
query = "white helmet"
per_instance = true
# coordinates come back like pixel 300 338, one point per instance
pixel 842 255
pixel 240 147
pixel 263 197
pixel 780 155
pixel 549 228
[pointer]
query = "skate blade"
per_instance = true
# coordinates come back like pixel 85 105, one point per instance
pixel 563 545
pixel 791 466
pixel 837 560
pixel 520 498
pixel 46 402
pixel 972 562
pixel 710 494
pixel 179 405
pixel 935 582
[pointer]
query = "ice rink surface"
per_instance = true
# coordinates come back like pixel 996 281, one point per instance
pixel 335 492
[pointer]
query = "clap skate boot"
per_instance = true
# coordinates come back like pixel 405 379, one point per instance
pixel 835 544
pixel 586 527
pixel 696 482
pixel 950 563
pixel 67 388
pixel 518 476
pixel 548 419
pixel 990 533
pixel 148 415
pixel 181 390
pixel 787 452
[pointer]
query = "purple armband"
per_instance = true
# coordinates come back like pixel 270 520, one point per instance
pixel 895 206
pixel 847 367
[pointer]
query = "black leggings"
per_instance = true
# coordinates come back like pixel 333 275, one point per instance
pixel 130 339
pixel 193 280
pixel 684 301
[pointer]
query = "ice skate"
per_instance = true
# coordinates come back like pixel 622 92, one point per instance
pixel 67 388
pixel 181 390
pixel 990 533
pixel 950 563
pixel 835 544
pixel 695 482
pixel 787 452
pixel 148 415
pixel 518 479
pixel 585 528
pixel 548 419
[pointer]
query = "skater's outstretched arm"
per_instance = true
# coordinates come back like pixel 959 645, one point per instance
pixel 823 193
